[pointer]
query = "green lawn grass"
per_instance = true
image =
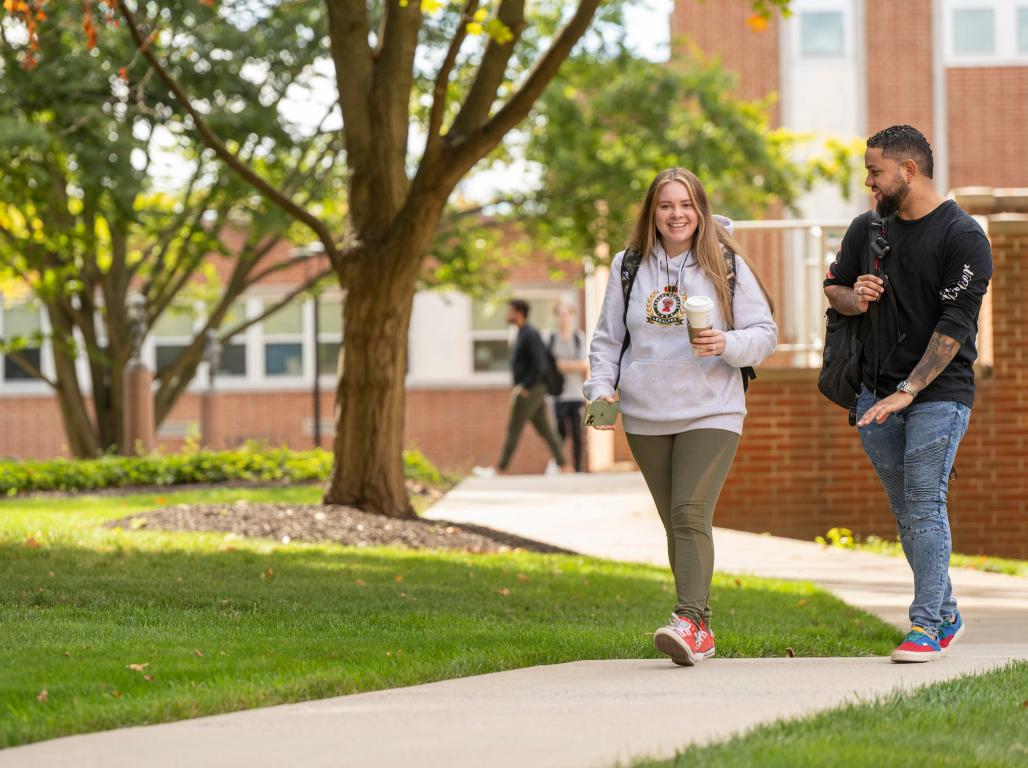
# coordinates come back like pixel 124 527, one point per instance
pixel 214 623
pixel 968 721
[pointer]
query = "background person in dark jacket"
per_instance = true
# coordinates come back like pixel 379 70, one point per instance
pixel 528 400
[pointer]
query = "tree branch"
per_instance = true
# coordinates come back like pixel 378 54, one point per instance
pixel 491 70
pixel 214 143
pixel 520 104
pixel 302 288
pixel 442 78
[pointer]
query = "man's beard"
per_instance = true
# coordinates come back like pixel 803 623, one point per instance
pixel 889 204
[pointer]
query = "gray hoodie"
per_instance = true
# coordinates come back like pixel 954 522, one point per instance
pixel 665 388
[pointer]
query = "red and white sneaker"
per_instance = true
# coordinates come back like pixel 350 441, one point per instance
pixel 685 642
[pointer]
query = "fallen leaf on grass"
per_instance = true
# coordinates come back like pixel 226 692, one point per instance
pixel 148 678
pixel 505 592
pixel 198 653
pixel 398 578
pixel 138 667
pixel 359 582
pixel 802 603
pixel 268 574
pixel 523 578
pixel 43 695
pixel 32 542
pixel 738 582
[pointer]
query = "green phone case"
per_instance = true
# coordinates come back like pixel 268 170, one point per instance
pixel 600 413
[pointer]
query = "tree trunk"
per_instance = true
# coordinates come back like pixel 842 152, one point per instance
pixel 78 426
pixel 370 397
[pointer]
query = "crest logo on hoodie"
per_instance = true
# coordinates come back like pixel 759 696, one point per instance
pixel 666 307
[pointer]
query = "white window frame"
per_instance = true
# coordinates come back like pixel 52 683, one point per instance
pixel 561 293
pixel 326 337
pixel 29 387
pixel 843 9
pixel 302 337
pixel 152 341
pixel 1006 53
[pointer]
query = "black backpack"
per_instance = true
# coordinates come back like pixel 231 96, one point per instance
pixel 845 335
pixel 630 268
pixel 553 377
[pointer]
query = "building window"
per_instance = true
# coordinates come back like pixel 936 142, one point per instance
pixel 283 342
pixel 233 352
pixel 822 33
pixel 974 31
pixel 172 334
pixel 23 321
pixel 491 335
pixel 1022 29
pixel 330 334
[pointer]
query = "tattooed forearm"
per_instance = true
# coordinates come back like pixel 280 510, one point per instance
pixel 941 350
pixel 843 300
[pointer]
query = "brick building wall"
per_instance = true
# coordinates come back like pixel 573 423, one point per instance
pixel 720 30
pixel 898 45
pixel 988 126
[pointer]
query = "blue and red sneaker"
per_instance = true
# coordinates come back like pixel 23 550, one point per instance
pixel 950 631
pixel 918 645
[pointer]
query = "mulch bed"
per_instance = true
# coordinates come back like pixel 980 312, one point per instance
pixel 319 522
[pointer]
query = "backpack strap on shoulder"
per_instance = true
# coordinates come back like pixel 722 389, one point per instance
pixel 629 269
pixel 748 374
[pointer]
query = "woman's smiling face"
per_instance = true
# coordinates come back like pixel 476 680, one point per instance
pixel 675 217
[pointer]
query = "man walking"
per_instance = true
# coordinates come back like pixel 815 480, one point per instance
pixel 528 400
pixel 925 277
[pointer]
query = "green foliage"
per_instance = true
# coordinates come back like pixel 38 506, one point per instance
pixel 841 538
pixel 605 128
pixel 253 462
pixel 844 538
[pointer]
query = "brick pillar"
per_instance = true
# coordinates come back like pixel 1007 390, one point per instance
pixel 211 433
pixel 140 435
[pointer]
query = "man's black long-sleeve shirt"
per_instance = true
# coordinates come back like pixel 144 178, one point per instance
pixel 528 357
pixel 938 270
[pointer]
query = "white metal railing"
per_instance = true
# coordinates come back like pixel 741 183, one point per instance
pixel 805 248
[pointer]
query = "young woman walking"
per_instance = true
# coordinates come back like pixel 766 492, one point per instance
pixel 682 401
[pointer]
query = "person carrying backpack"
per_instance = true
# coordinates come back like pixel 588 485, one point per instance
pixel 529 367
pixel 682 403
pixel 567 348
pixel 930 270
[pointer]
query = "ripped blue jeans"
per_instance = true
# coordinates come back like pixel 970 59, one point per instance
pixel 913 454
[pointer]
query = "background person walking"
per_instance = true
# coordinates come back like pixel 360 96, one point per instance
pixel 682 403
pixel 567 346
pixel 917 374
pixel 528 400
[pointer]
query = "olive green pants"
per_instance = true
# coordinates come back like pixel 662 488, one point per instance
pixel 685 474
pixel 530 406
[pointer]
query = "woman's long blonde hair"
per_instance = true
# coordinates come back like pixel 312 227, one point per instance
pixel 709 242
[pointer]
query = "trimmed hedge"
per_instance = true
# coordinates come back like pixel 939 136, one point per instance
pixel 251 463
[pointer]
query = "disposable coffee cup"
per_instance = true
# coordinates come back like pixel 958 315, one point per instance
pixel 699 315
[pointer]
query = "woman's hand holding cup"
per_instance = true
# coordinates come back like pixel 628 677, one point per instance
pixel 709 343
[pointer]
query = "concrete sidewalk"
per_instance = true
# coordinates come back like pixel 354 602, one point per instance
pixel 590 713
